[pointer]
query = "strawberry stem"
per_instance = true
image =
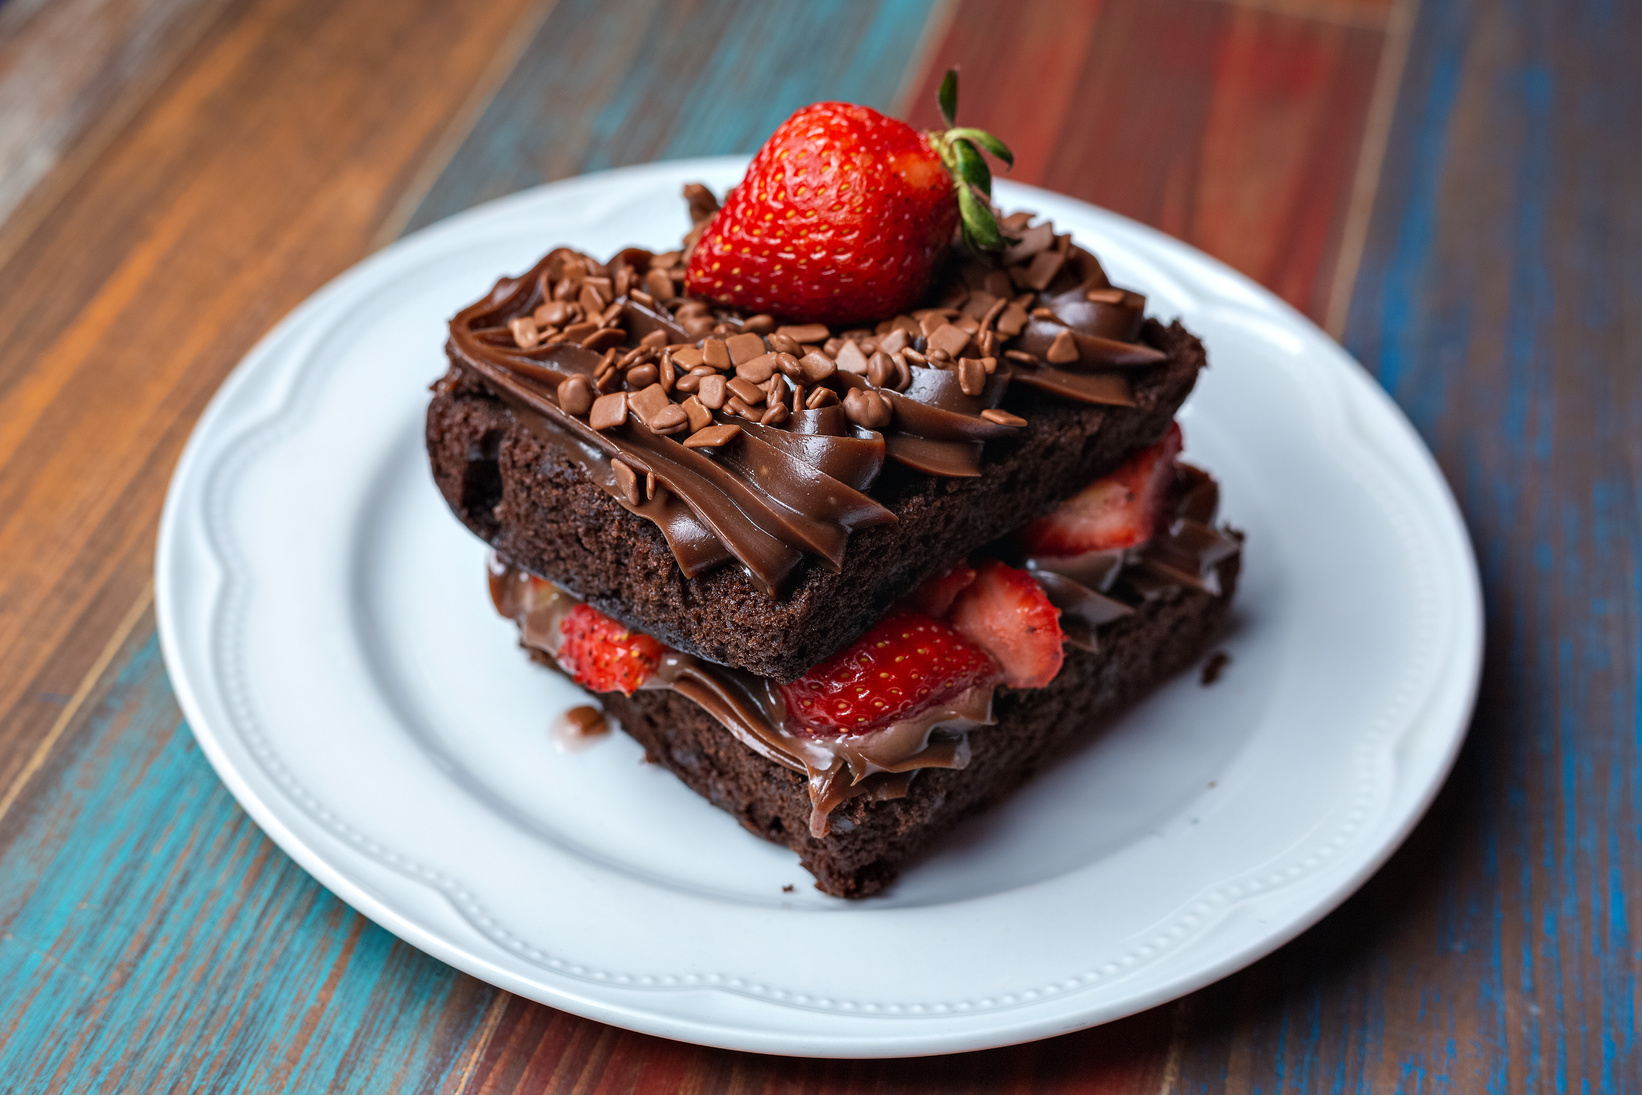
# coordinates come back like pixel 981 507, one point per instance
pixel 960 152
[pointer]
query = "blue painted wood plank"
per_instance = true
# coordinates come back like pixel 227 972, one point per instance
pixel 1497 302
pixel 614 82
pixel 1498 316
pixel 152 935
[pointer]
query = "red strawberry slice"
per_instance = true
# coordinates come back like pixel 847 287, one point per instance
pixel 1009 616
pixel 605 656
pixel 934 598
pixel 843 213
pixel 907 663
pixel 1120 511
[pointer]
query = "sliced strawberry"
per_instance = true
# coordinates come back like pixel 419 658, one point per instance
pixel 1009 616
pixel 934 598
pixel 1120 511
pixel 605 656
pixel 907 663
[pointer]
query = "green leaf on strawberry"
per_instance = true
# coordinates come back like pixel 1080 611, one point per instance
pixel 972 167
pixel 981 229
pixel 947 97
pixel 985 140
pixel 959 149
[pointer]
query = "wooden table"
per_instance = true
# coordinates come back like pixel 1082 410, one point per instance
pixel 1453 187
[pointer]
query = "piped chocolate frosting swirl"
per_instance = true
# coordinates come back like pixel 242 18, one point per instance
pixel 744 439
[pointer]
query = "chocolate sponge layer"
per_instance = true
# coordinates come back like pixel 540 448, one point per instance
pixel 538 508
pixel 871 841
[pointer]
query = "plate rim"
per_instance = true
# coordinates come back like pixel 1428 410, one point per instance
pixel 1000 1031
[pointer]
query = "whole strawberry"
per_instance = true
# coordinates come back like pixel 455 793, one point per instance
pixel 843 214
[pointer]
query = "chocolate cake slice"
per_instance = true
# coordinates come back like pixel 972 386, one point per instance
pixel 858 806
pixel 758 494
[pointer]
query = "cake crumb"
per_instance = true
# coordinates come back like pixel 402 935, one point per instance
pixel 1215 666
pixel 787 888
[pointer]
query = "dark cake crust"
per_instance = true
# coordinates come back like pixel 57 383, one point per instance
pixel 538 508
pixel 871 841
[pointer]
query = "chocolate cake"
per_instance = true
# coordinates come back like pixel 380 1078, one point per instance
pixel 854 509
pixel 785 541
pixel 851 806
pixel 520 486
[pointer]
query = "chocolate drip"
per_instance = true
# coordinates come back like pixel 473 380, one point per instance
pixel 1111 389
pixel 1100 586
pixel 1083 610
pixel 879 763
pixel 938 428
pixel 742 517
pixel 1114 314
pixel 821 422
pixel 830 502
pixel 934 407
pixel 1094 351
pixel 854 461
pixel 693 544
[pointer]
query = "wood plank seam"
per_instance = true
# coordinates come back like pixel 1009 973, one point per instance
pixel 487 1031
pixel 37 759
pixel 461 123
pixel 936 25
pixel 1177 1044
pixel 1382 107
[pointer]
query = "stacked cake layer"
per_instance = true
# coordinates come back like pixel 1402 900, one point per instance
pixel 851 583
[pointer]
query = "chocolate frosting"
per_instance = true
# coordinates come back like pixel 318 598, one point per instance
pixel 879 763
pixel 1091 591
pixel 803 450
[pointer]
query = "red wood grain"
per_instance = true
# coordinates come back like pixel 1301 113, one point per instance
pixel 534 1049
pixel 1236 128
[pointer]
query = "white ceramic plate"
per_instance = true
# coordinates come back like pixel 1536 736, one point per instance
pixel 325 622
